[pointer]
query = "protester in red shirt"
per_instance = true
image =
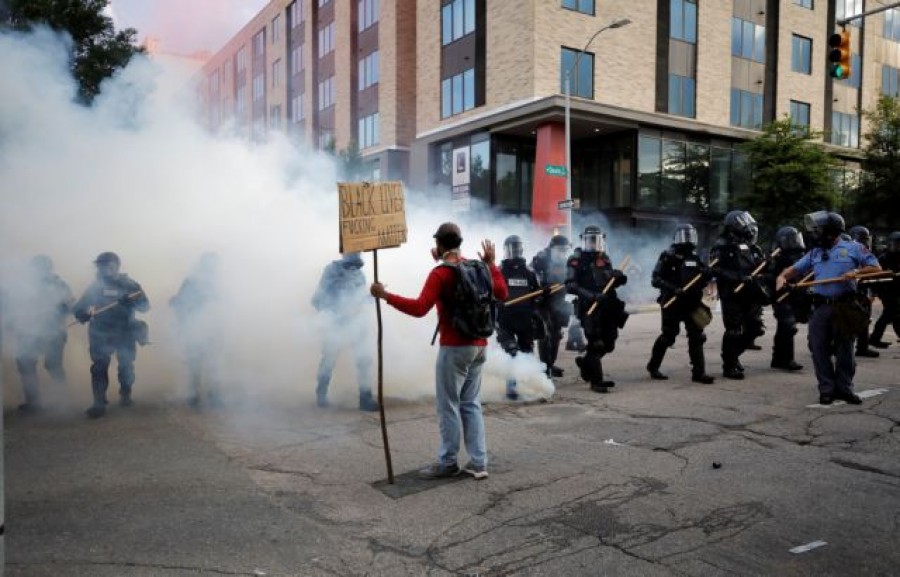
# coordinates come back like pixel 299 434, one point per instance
pixel 460 359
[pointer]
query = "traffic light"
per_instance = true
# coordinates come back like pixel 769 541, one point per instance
pixel 839 55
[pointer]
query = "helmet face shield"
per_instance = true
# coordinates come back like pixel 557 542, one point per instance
pixel 791 239
pixel 559 253
pixel 592 241
pixel 513 248
pixel 685 235
pixel 814 221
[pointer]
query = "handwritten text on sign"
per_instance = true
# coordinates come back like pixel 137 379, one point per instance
pixel 372 215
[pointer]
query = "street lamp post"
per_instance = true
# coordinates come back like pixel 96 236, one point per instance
pixel 617 23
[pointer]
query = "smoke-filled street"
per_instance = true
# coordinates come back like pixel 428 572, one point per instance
pixel 620 484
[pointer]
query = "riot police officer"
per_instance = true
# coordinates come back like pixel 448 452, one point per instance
pixel 889 293
pixel 338 298
pixel 861 235
pixel 675 269
pixel 516 322
pixel 738 256
pixel 837 314
pixel 601 312
pixel 550 267
pixel 109 305
pixel 791 309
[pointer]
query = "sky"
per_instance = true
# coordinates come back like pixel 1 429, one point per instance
pixel 185 26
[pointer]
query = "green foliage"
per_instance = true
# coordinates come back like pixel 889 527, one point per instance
pixel 791 176
pixel 350 163
pixel 98 50
pixel 877 205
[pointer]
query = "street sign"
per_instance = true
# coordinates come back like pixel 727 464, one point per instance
pixel 555 170
pixel 572 203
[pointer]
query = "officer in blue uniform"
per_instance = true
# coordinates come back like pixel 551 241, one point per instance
pixel 109 305
pixel 516 322
pixel 837 315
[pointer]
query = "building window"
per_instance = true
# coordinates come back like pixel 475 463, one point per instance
pixel 295 13
pixel 276 73
pixel 297 60
pixel 326 39
pixel 801 54
pixel 240 100
pixel 583 6
pixel 892 24
pixel 804 3
pixel 748 40
pixel 259 87
pixel 214 82
pixel 458 93
pixel 581 81
pixel 800 115
pixel 323 2
pixel 889 77
pixel 259 44
pixel 683 20
pixel 457 20
pixel 746 109
pixel 275 117
pixel 845 129
pixel 849 8
pixel 368 13
pixel 368 131
pixel 326 93
pixel 682 95
pixel 297 112
pixel 368 71
pixel 326 138
pixel 241 59
pixel 276 28
pixel 855 71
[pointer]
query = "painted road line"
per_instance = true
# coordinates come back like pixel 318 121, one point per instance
pixel 861 395
pixel 808 547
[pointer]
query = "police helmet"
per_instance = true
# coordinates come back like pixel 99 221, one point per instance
pixel 352 260
pixel 894 241
pixel 824 224
pixel 789 238
pixel 42 264
pixel 741 225
pixel 107 258
pixel 593 239
pixel 559 240
pixel 685 234
pixel 861 235
pixel 513 247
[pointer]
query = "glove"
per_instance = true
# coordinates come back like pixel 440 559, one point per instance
pixel 748 280
pixel 598 297
pixel 621 278
pixel 679 292
pixel 82 316
pixel 125 300
pixel 546 294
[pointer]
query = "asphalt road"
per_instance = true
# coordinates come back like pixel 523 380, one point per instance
pixel 585 484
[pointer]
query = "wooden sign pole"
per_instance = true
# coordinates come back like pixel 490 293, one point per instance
pixel 384 435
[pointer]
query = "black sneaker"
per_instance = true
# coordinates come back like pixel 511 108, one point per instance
pixel 556 372
pixel 868 353
pixel 825 399
pixel 850 398
pixel 599 388
pixel 609 384
pixel 439 471
pixel 703 379
pixel 655 374
pixel 879 344
pixel 95 412
pixel 788 366
pixel 479 472
pixel 733 373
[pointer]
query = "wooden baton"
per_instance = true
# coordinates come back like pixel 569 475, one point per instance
pixel 690 283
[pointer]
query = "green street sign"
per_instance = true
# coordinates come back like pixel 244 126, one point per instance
pixel 555 170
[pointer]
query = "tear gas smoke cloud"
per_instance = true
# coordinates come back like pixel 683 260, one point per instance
pixel 136 175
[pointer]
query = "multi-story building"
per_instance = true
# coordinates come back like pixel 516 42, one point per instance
pixel 466 98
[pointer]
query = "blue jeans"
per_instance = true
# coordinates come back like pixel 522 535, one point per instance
pixel 458 403
pixel 835 377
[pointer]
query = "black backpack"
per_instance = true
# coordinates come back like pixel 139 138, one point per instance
pixel 473 308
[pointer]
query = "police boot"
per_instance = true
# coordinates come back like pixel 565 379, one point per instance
pixel 322 395
pixel 367 402
pixel 698 364
pixel 30 388
pixel 125 398
pixel 656 358
pixel 511 393
pixel 98 409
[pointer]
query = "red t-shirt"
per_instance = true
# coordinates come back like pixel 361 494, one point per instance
pixel 438 290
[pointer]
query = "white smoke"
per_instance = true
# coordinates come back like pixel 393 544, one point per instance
pixel 135 174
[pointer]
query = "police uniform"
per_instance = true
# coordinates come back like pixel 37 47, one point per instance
pixel 788 312
pixel 675 268
pixel 515 330
pixel 588 274
pixel 553 310
pixel 889 293
pixel 825 339
pixel 741 311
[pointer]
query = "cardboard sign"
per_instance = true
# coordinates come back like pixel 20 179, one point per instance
pixel 372 215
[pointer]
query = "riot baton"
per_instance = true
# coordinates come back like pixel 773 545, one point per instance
pixel 690 283
pixel 757 270
pixel 609 284
pixel 105 308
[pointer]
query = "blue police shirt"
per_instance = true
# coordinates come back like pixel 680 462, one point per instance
pixel 843 257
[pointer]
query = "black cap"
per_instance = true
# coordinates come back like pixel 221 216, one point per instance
pixel 449 235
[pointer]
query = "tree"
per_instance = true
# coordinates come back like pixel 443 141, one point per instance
pixel 350 162
pixel 791 175
pixel 876 204
pixel 98 50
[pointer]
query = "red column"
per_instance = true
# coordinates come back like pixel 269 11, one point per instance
pixel 549 189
